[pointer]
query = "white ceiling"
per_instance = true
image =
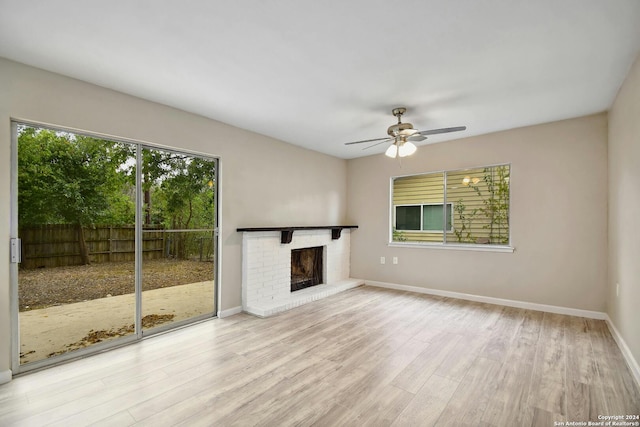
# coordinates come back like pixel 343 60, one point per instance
pixel 321 73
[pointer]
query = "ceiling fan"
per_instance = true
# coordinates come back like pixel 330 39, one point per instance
pixel 401 135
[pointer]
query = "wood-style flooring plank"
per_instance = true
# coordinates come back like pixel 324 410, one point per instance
pixel 121 419
pixel 475 386
pixel 465 354
pixel 509 400
pixel 379 408
pixel 542 418
pixel 367 356
pixel 581 364
pixel 413 377
pixel 548 381
pixel 502 333
pixel 426 408
pixel 621 393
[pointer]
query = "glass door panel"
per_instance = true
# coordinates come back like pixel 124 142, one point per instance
pixel 179 217
pixel 76 216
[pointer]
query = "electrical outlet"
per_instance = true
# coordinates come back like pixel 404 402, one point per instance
pixel 382 260
pixel 395 259
pixel 617 289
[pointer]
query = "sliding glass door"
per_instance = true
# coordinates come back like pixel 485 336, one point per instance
pixel 177 238
pixel 115 240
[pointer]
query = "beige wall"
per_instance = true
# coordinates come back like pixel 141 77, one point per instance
pixel 624 211
pixel 558 217
pixel 264 182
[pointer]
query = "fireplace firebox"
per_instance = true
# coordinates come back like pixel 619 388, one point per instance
pixel 306 267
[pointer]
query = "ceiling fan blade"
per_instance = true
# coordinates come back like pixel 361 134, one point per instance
pixel 367 140
pixel 416 137
pixel 443 130
pixel 378 143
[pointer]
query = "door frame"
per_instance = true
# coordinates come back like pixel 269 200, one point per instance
pixel 138 334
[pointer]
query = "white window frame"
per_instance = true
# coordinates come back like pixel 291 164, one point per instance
pixel 446 245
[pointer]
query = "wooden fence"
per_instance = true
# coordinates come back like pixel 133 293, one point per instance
pixel 59 245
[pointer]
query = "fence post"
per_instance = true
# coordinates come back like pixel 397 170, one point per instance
pixel 164 241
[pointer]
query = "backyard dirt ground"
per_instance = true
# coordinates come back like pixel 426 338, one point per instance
pixel 62 328
pixel 48 287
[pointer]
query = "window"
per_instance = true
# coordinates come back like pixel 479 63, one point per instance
pixel 475 203
pixel 423 217
pixel 408 218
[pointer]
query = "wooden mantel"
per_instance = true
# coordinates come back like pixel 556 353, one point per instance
pixel 286 233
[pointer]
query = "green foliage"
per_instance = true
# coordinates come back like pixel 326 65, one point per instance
pixel 181 192
pixel 494 194
pixel 65 178
pixel 182 189
pixel 463 227
pixel 399 236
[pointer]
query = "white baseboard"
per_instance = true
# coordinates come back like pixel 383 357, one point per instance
pixel 490 300
pixel 626 352
pixel 229 312
pixel 5 376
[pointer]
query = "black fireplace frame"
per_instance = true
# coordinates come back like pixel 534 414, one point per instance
pixel 313 274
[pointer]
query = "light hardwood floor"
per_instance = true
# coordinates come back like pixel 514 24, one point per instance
pixel 367 356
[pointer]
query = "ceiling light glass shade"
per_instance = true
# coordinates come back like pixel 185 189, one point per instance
pixel 466 180
pixel 392 151
pixel 407 149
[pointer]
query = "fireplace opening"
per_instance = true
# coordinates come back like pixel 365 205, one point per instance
pixel 306 267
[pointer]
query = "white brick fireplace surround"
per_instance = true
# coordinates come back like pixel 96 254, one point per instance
pixel 266 268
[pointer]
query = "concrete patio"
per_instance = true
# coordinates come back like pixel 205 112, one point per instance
pixel 52 329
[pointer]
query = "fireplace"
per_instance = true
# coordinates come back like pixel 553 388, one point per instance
pixel 306 267
pixel 267 272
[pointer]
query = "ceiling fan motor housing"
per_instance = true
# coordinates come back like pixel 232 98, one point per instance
pixel 401 129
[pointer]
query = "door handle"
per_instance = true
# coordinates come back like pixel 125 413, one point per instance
pixel 16 256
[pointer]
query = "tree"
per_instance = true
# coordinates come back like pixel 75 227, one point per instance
pixel 181 193
pixel 64 178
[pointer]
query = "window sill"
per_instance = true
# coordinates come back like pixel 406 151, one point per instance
pixel 454 247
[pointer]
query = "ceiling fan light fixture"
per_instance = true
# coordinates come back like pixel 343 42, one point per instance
pixel 392 151
pixel 407 149
pixel 399 135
